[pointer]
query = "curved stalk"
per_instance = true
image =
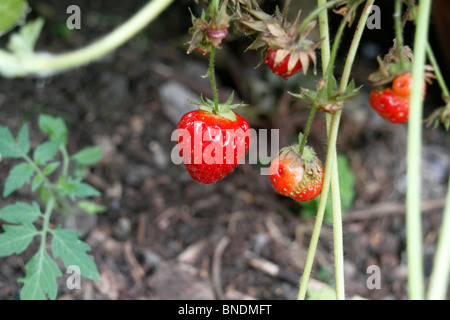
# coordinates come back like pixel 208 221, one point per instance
pixel 441 264
pixel 414 151
pixel 213 78
pixel 331 172
pixel 399 31
pixel 44 64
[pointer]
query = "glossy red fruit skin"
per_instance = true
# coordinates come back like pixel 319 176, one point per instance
pixel 308 191
pixel 389 105
pixel 204 128
pixel 281 69
pixel 283 177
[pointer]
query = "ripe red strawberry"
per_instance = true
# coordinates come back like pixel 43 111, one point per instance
pixel 392 103
pixel 389 105
pixel 212 145
pixel 297 176
pixel 279 61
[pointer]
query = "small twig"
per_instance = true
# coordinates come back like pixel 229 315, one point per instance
pixel 390 209
pixel 217 267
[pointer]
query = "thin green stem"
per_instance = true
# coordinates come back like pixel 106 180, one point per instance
pixel 46 222
pixel 337 39
pixel 47 64
pixel 437 71
pixel 213 79
pixel 324 34
pixel 335 187
pixel 414 151
pixel 65 156
pixel 399 31
pixel 307 128
pixel 51 187
pixel 331 174
pixel 320 8
pixel 321 208
pixel 441 265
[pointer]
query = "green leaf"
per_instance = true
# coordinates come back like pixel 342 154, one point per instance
pixel 20 212
pixel 23 140
pixel 25 40
pixel 17 177
pixel 40 280
pixel 37 181
pixel 91 207
pixel 88 156
pixel 54 127
pixel 75 188
pixel 8 147
pixel 10 12
pixel 46 151
pixel 51 167
pixel 16 238
pixel 324 293
pixel 67 245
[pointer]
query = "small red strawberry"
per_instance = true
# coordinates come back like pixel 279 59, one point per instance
pixel 279 61
pixel 392 103
pixel 297 176
pixel 389 105
pixel 211 144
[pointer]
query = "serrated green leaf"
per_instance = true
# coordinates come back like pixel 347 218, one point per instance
pixel 25 40
pixel 18 176
pixel 23 139
pixel 51 167
pixel 10 12
pixel 20 212
pixel 91 207
pixel 54 127
pixel 88 156
pixel 16 238
pixel 76 188
pixel 40 279
pixel 8 147
pixel 67 245
pixel 46 151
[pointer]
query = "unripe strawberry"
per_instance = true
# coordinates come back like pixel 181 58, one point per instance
pixel 297 176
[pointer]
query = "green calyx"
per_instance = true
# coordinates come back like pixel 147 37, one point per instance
pixel 307 157
pixel 224 110
pixel 327 97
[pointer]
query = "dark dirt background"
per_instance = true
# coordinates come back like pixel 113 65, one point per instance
pixel 165 236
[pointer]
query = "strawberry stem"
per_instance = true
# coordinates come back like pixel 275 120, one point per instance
pixel 213 79
pixel 399 32
pixel 285 11
pixel 337 39
pixel 307 128
pixel 331 172
pixel 414 151
pixel 315 13
pixel 437 72
pixel 44 64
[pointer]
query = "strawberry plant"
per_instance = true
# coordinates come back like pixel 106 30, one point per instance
pixel 46 171
pixel 288 49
